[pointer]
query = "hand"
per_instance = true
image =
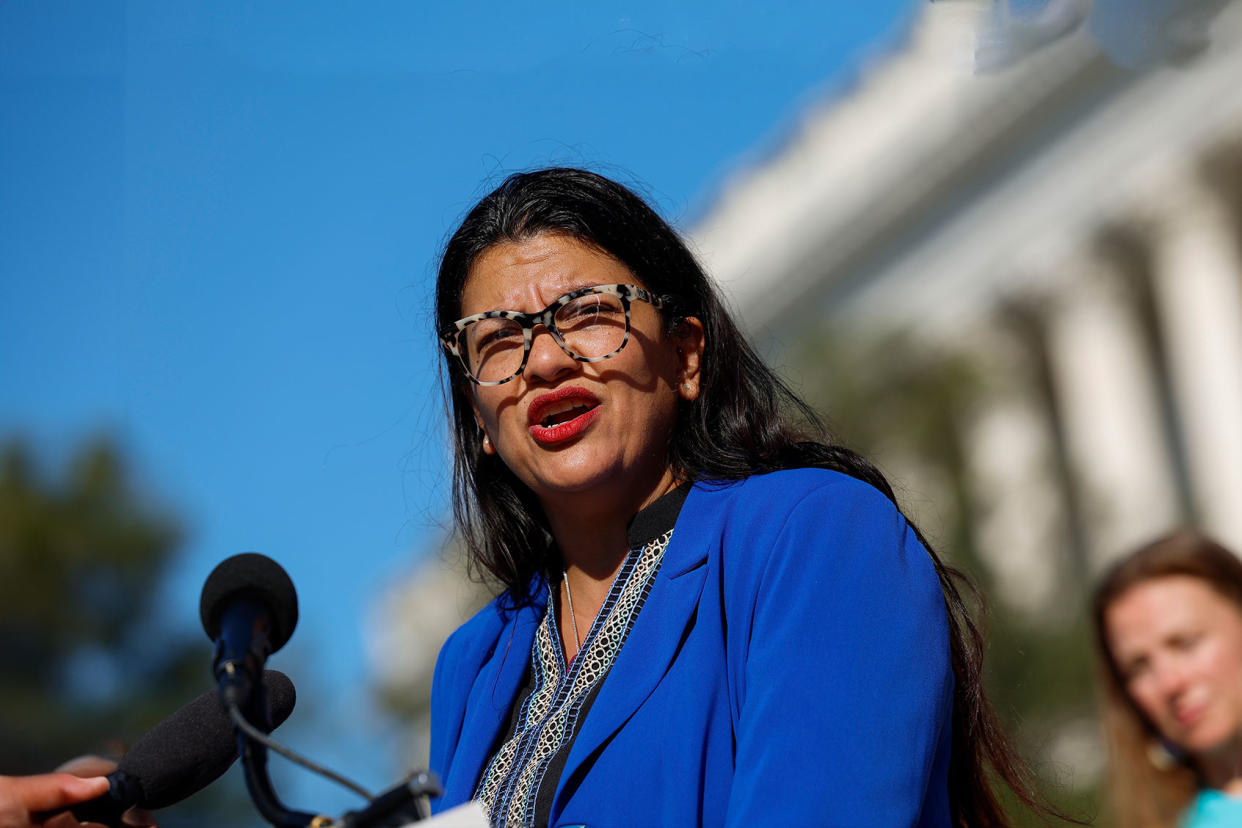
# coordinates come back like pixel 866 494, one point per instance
pixel 22 795
pixel 88 766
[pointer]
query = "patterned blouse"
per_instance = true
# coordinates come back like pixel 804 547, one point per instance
pixel 519 784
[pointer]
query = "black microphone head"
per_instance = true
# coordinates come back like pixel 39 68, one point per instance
pixel 250 576
pixel 191 748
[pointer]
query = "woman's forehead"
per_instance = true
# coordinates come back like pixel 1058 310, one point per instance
pixel 530 274
pixel 1156 605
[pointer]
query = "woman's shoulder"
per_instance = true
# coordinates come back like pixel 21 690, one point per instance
pixel 778 494
pixel 1211 808
pixel 825 524
pixel 829 549
pixel 475 639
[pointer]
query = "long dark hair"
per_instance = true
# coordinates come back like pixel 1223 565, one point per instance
pixel 746 421
pixel 1152 786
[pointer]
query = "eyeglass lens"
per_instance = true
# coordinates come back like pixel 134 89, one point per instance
pixel 590 326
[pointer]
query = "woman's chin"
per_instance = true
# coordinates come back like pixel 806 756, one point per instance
pixel 573 481
pixel 1210 740
pixel 579 483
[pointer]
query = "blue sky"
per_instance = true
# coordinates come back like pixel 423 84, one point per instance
pixel 219 222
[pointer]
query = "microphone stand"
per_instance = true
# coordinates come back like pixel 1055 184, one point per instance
pixel 403 801
pixel 397 806
pixel 254 763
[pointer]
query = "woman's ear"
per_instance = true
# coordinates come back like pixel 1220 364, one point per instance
pixel 688 338
pixel 488 446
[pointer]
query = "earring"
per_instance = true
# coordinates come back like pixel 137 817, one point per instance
pixel 487 445
pixel 1164 755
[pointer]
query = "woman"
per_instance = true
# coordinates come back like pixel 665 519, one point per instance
pixel 1168 622
pixel 710 615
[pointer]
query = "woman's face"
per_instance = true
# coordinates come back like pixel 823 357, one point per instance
pixel 578 433
pixel 1178 645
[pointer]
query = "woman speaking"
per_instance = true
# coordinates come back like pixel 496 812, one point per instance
pixel 710 614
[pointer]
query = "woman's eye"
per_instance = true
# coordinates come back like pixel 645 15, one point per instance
pixel 1134 670
pixel 498 338
pixel 580 310
pixel 592 311
pixel 1185 641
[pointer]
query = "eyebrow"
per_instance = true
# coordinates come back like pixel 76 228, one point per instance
pixel 563 292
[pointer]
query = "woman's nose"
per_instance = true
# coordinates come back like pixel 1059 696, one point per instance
pixel 547 359
pixel 1172 677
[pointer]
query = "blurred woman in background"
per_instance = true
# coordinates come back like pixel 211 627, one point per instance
pixel 1168 624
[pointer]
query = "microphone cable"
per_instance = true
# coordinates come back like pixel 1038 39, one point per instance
pixel 252 732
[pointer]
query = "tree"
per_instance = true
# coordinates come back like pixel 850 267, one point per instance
pixel 88 668
pixel 904 406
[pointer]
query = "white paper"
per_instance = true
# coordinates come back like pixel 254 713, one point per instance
pixel 470 815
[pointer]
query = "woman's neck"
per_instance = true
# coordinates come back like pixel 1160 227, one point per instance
pixel 594 549
pixel 592 534
pixel 1222 769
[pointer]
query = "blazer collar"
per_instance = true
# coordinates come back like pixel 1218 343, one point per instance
pixel 491 696
pixel 646 656
pixel 651 645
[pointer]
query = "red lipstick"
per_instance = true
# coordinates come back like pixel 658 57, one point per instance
pixel 561 415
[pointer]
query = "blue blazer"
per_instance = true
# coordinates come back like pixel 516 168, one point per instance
pixel 790 667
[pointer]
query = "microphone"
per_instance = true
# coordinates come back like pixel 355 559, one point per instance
pixel 249 608
pixel 179 756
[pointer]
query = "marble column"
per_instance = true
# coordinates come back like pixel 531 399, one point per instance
pixel 1021 521
pixel 1198 288
pixel 1110 409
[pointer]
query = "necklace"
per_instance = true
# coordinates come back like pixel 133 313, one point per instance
pixel 573 617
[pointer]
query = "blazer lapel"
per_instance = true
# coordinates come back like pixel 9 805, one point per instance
pixel 648 650
pixel 490 699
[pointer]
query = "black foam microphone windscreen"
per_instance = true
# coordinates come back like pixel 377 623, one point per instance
pixel 178 757
pixel 250 577
pixel 191 748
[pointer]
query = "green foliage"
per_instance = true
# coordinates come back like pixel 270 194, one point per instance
pixel 87 668
pixel 905 407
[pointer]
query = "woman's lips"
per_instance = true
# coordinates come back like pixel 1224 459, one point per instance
pixel 1188 716
pixel 568 430
pixel 561 415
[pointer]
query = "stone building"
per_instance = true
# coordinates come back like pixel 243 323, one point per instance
pixel 1071 225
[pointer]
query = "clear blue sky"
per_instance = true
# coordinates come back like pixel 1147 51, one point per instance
pixel 219 221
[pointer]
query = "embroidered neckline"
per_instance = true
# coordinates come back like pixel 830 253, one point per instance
pixel 550 716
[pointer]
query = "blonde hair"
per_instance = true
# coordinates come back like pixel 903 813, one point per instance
pixel 1148 791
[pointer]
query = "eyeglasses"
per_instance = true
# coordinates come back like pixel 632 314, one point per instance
pixel 589 324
